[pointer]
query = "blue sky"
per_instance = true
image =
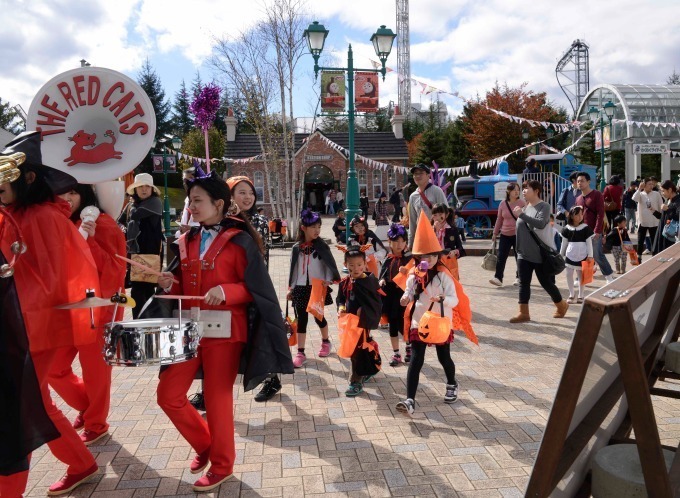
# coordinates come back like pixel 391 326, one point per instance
pixel 456 45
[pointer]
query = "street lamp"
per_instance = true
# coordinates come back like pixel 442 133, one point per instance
pixel 382 40
pixel 177 145
pixel 596 115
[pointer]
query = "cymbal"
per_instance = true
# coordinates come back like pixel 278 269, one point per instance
pixel 89 302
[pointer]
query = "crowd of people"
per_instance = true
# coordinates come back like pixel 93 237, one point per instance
pixel 411 287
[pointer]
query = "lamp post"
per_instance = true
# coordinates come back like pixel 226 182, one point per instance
pixel 597 118
pixel 382 41
pixel 177 144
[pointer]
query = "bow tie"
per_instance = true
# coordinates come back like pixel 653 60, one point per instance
pixel 217 228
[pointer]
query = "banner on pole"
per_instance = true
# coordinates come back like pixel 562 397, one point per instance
pixel 332 91
pixel 366 92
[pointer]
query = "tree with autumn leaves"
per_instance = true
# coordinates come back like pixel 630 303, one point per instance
pixel 490 135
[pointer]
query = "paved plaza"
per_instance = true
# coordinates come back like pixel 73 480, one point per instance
pixel 311 440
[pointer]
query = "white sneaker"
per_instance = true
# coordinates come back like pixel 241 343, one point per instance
pixel 609 279
pixel 408 406
pixel 516 282
pixel 646 251
pixel 496 282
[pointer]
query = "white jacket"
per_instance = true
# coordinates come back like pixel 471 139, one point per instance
pixel 440 284
pixel 647 204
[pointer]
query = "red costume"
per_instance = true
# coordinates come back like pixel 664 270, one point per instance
pixel 91 395
pixel 47 275
pixel 223 265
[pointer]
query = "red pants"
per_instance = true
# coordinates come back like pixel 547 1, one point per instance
pixel 220 359
pixel 68 448
pixel 91 394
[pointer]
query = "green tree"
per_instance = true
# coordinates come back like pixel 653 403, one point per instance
pixel 10 119
pixel 196 85
pixel 148 79
pixel 182 120
pixel 378 121
pixel 673 79
pixel 431 146
pixel 194 143
pixel 456 151
pixel 413 128
pixel 331 124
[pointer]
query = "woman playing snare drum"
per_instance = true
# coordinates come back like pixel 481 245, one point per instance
pixel 220 261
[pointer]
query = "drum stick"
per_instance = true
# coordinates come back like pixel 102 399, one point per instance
pixel 170 296
pixel 143 267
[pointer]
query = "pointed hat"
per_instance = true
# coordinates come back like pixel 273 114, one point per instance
pixel 425 241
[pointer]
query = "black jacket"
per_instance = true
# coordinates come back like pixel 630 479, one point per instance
pixel 660 242
pixel 24 423
pixel 361 293
pixel 323 252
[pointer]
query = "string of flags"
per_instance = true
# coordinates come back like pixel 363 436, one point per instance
pixel 652 124
pixel 202 160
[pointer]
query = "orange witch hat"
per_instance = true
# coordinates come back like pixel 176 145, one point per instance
pixel 425 240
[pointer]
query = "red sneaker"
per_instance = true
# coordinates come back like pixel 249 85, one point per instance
pixel 210 481
pixel 200 462
pixel 79 422
pixel 91 437
pixel 71 481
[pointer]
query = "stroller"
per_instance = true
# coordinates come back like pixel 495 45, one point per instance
pixel 277 231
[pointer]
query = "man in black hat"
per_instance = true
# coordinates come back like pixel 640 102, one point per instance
pixel 423 198
pixel 531 167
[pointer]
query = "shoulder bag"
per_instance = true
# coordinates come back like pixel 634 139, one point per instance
pixel 670 229
pixel 551 260
pixel 490 259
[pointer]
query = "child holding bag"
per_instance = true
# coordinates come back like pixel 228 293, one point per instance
pixel 616 242
pixel 311 258
pixel 362 236
pixel 430 283
pixel 359 295
pixel 577 246
pixel 391 307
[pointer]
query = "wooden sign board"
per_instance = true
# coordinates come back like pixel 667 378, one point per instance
pixel 614 360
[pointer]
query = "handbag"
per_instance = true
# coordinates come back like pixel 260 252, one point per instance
pixel 552 261
pixel 291 326
pixel 138 274
pixel 670 229
pixel 490 259
pixel 434 328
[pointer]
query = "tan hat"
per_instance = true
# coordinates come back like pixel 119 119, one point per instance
pixel 141 180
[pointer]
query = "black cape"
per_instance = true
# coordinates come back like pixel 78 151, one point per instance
pixel 390 303
pixel 363 294
pixel 24 423
pixel 267 351
pixel 324 253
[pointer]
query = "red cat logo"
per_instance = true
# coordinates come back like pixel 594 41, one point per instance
pixel 85 150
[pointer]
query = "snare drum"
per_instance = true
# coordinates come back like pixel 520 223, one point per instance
pixel 156 341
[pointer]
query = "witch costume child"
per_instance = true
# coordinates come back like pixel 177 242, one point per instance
pixel 311 260
pixel 361 236
pixel 394 265
pixel 221 261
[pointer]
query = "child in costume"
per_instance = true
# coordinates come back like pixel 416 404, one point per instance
pixel 362 236
pixel 311 258
pixel 45 276
pixel 359 295
pixel 221 261
pixel 394 265
pixel 448 236
pixel 617 240
pixel 431 283
pixel 91 395
pixel 577 246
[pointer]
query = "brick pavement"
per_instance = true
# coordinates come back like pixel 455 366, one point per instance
pixel 312 440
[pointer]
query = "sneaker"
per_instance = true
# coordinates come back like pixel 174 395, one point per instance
pixel 646 251
pixel 395 360
pixel 79 422
pixel 609 279
pixel 354 389
pixel 200 462
pixel 91 437
pixel 325 349
pixel 269 389
pixel 516 282
pixel 407 406
pixel 366 378
pixel 196 400
pixel 571 299
pixel 210 481
pixel 451 393
pixel 496 282
pixel 407 356
pixel 71 481
pixel 299 360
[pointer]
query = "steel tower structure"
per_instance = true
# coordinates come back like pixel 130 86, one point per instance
pixel 573 73
pixel 403 58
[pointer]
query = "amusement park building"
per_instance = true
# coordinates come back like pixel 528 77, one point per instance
pixel 645 114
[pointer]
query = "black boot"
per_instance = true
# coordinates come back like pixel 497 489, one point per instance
pixel 270 387
pixel 197 401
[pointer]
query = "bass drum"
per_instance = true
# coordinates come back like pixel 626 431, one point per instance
pixel 155 341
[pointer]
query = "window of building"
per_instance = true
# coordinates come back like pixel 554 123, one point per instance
pixel 391 181
pixel 377 183
pixel 258 180
pixel 363 183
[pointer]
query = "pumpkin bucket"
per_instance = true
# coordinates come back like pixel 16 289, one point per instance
pixel 434 328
